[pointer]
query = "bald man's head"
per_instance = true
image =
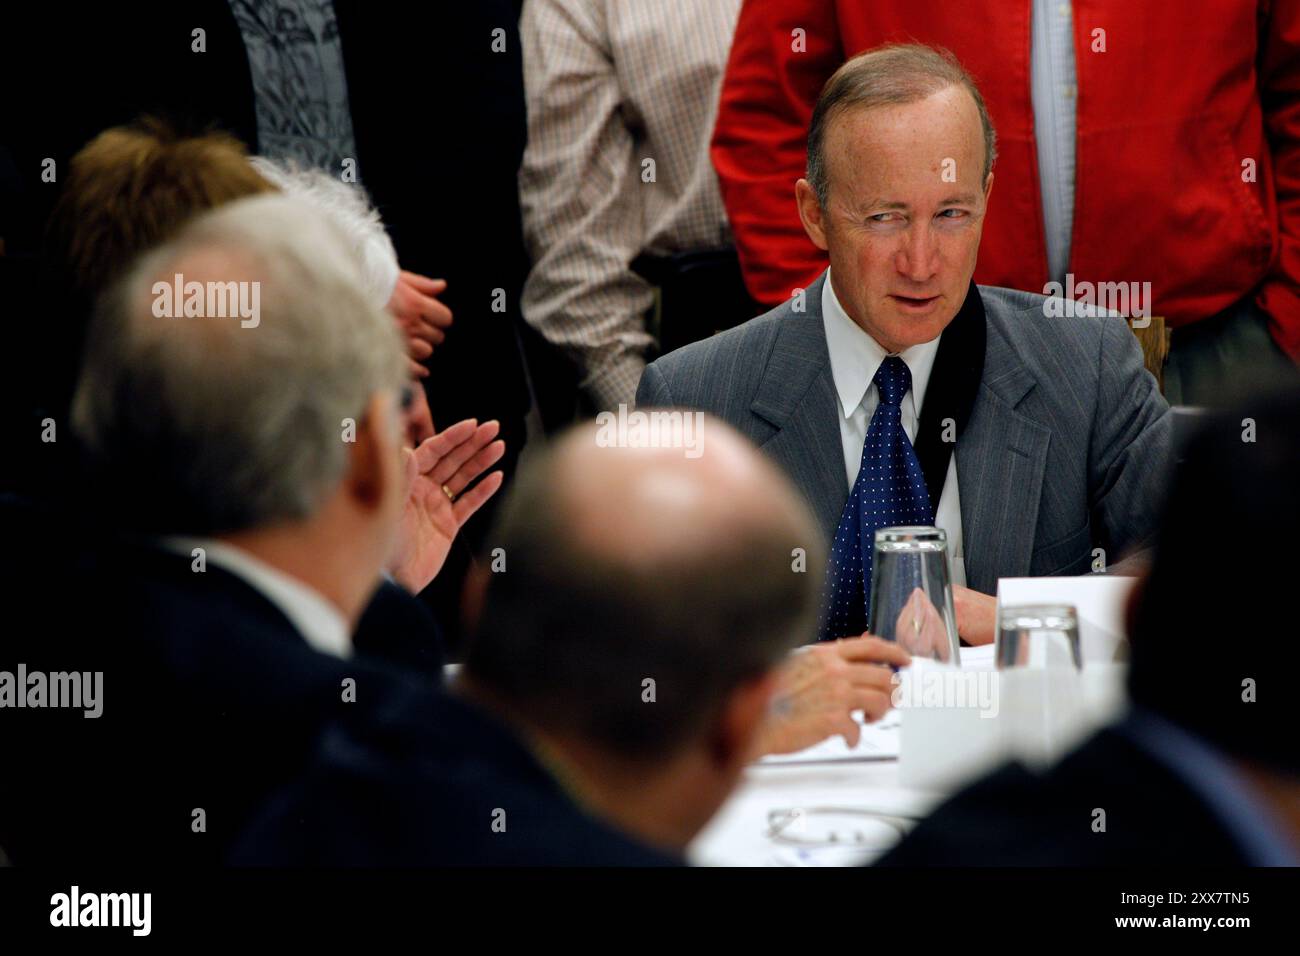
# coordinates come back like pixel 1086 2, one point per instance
pixel 625 566
pixel 646 507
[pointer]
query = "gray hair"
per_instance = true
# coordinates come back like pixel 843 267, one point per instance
pixel 891 75
pixel 349 206
pixel 201 425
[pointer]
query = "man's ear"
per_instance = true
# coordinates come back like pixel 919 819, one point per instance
pixel 738 723
pixel 374 463
pixel 810 213
pixel 988 186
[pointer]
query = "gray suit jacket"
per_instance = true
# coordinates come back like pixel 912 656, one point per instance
pixel 1068 445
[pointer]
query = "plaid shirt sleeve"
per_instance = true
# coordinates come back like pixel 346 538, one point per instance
pixel 581 195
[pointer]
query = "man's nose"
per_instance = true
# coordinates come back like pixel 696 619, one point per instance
pixel 917 258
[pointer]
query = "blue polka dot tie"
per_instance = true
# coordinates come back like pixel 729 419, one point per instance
pixel 890 491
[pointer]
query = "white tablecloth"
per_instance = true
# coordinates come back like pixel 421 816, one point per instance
pixel 737 836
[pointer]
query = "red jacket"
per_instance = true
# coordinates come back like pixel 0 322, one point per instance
pixel 1182 95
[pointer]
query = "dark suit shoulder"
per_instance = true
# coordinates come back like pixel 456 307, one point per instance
pixel 206 684
pixel 1016 817
pixel 432 781
pixel 399 629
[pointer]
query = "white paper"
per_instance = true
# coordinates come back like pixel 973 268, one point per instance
pixel 977 658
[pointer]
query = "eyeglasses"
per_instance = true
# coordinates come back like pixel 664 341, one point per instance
pixel 836 826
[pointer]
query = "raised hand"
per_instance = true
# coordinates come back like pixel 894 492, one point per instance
pixel 437 472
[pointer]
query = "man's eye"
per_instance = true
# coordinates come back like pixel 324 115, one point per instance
pixel 953 213
pixel 882 217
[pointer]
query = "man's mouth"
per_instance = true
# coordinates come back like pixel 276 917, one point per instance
pixel 914 303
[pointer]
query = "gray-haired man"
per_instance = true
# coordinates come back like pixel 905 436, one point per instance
pixel 245 433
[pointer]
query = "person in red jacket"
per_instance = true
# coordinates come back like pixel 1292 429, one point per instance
pixel 1138 145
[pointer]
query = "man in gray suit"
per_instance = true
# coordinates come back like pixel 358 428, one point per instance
pixel 865 384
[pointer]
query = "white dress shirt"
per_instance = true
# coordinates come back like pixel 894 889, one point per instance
pixel 316 619
pixel 855 357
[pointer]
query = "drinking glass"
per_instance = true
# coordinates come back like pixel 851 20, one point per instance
pixel 1038 636
pixel 911 593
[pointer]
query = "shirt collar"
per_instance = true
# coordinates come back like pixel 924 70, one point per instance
pixel 316 619
pixel 855 355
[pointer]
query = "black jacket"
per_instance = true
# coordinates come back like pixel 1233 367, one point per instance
pixel 211 700
pixel 1016 817
pixel 434 781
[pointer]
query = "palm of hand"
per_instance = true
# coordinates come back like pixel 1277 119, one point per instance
pixel 437 504
pixel 427 529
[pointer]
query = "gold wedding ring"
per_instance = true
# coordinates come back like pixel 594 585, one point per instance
pixel 447 491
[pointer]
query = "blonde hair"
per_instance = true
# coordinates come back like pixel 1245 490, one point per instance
pixel 131 188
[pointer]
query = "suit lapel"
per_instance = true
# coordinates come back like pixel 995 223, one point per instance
pixel 797 397
pixel 1001 459
pixel 950 397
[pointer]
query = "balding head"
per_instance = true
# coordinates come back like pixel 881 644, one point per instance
pixel 626 565
pixel 643 508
